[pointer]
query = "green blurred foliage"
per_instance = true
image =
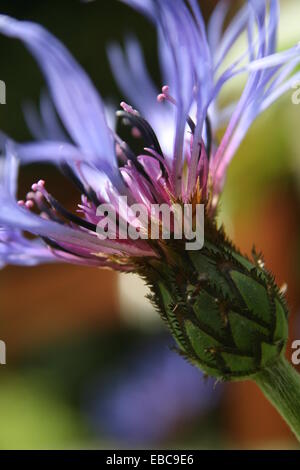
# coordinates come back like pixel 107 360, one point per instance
pixel 32 418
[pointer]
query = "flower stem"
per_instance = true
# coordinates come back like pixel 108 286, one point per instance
pixel 280 383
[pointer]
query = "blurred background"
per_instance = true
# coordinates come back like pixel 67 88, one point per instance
pixel 89 363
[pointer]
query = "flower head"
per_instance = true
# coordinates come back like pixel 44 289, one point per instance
pixel 181 161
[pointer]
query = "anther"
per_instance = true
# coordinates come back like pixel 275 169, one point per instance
pixel 165 95
pixel 38 186
pixel 129 109
pixel 161 97
pixel 29 204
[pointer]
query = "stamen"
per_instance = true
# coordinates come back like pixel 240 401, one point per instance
pixel 40 186
pixel 129 109
pixel 161 161
pixel 37 186
pixel 124 147
pixel 29 204
pixel 161 97
pixel 165 96
pixel 144 127
pixel 69 173
pixel 84 189
pixel 208 137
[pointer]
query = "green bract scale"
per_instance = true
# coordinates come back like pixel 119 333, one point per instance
pixel 226 312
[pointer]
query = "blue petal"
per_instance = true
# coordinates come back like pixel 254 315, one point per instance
pixel 145 7
pixel 43 123
pixel 132 76
pixel 73 93
pixel 14 247
pixel 216 24
pixel 48 151
pixel 9 168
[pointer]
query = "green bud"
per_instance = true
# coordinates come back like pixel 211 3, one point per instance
pixel 226 312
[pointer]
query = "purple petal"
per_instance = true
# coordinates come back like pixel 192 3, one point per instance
pixel 44 125
pixel 216 25
pixel 132 76
pixel 143 6
pixel 16 249
pixel 48 151
pixel 74 95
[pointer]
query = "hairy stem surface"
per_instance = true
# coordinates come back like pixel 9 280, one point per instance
pixel 280 383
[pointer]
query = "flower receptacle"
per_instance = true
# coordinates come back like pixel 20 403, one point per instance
pixel 225 311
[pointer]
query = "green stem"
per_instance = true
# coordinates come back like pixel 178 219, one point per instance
pixel 280 383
